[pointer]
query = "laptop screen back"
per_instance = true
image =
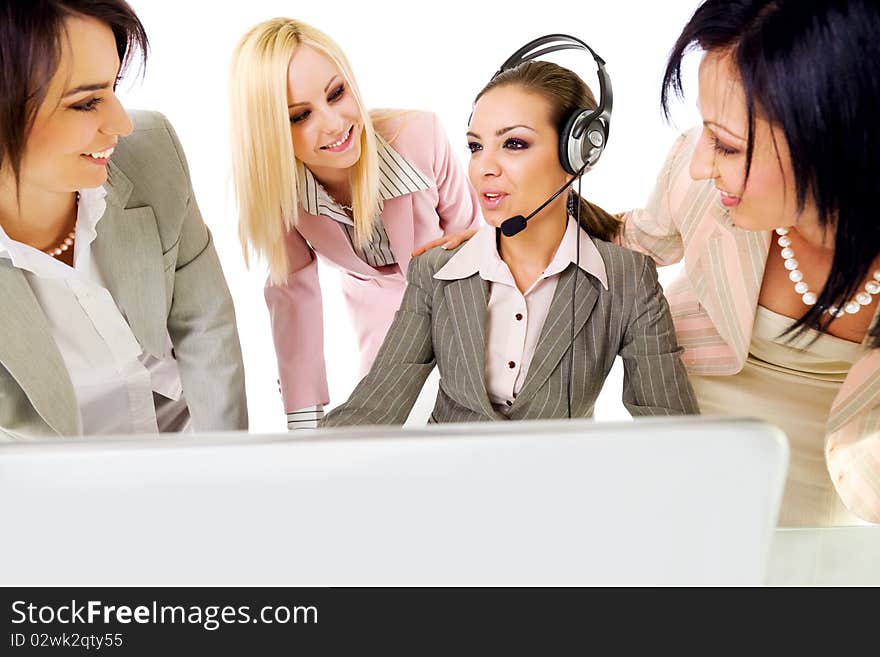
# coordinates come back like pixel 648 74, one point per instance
pixel 678 501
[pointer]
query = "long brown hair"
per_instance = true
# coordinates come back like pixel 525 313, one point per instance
pixel 566 93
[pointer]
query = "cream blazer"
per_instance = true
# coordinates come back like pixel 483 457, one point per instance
pixel 713 306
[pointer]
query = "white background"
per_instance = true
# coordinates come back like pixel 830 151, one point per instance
pixel 405 55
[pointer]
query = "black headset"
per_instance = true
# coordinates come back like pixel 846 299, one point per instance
pixel 585 132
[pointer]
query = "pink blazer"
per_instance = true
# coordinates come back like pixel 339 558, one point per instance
pixel 448 206
pixel 713 306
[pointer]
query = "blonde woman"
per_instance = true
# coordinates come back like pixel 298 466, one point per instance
pixel 315 173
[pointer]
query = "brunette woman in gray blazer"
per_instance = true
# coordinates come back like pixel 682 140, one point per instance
pixel 115 315
pixel 498 314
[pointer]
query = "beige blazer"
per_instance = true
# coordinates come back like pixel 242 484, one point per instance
pixel 713 306
pixel 157 257
pixel 444 321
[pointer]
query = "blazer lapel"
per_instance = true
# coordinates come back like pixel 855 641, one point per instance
pixel 30 355
pixel 397 218
pixel 555 338
pixel 726 268
pixel 327 238
pixel 129 253
pixel 467 300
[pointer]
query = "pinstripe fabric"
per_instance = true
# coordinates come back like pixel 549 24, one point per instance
pixel 397 177
pixel 713 306
pixel 443 321
pixel 514 319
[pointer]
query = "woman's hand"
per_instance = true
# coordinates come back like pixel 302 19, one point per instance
pixel 447 241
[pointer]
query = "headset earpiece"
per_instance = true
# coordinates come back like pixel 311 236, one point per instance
pixel 594 140
pixel 584 134
pixel 582 140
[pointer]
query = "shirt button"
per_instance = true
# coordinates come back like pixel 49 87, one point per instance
pixel 519 317
pixel 511 364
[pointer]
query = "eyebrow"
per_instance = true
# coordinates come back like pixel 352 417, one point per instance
pixel 325 91
pixel 96 86
pixel 721 127
pixel 500 132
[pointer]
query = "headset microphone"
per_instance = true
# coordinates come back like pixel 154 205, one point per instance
pixel 517 223
pixel 512 226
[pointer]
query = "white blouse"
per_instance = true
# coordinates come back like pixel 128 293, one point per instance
pixel 113 378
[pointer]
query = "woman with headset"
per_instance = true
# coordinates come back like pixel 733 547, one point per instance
pixel 525 322
pixel 772 206
pixel 317 175
pixel 114 313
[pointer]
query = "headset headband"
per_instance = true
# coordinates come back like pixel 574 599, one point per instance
pixel 534 49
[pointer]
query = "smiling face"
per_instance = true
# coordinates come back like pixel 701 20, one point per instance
pixel 768 199
pixel 325 118
pixel 514 162
pixel 80 121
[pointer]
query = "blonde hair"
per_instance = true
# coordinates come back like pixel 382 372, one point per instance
pixel 264 166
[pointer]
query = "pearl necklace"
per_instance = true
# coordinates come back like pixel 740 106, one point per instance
pixel 67 242
pixel 865 298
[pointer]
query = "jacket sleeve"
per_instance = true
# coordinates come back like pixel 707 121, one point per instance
pixel 655 381
pixel 654 230
pixel 201 324
pixel 387 394
pixel 852 453
pixel 457 205
pixel 297 320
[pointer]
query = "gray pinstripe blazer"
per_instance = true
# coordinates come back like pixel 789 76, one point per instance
pixel 444 322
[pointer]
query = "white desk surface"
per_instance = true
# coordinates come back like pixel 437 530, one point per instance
pixel 834 556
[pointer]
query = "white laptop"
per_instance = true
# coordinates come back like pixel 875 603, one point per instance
pixel 653 501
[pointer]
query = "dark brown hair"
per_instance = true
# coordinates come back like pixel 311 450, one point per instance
pixel 565 92
pixel 31 36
